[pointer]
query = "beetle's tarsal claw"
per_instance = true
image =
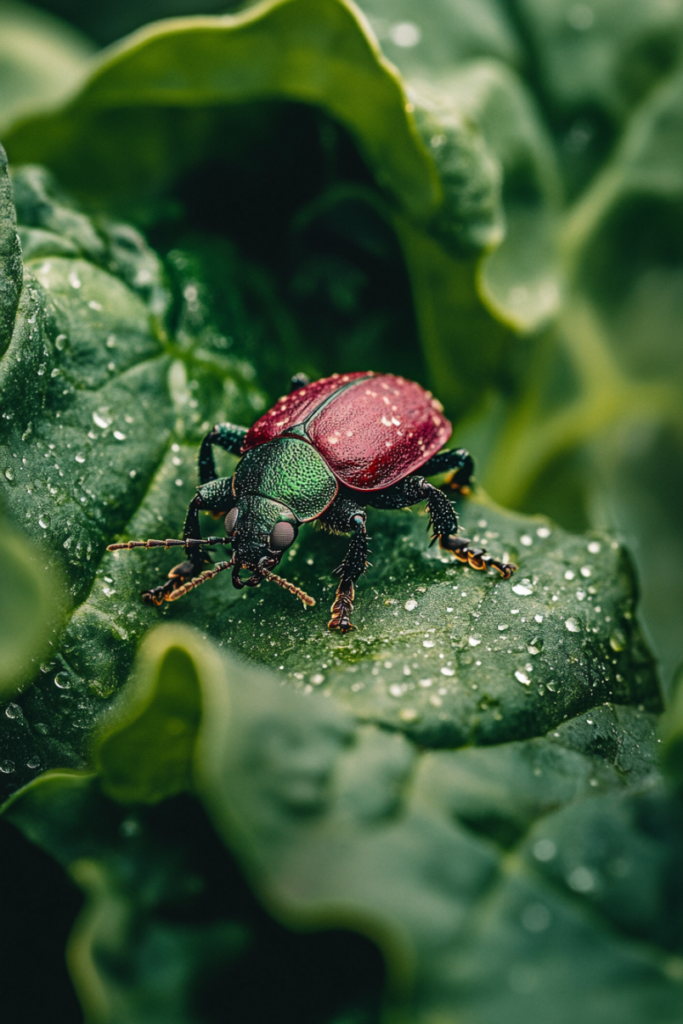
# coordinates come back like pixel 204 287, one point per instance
pixel 476 558
pixel 342 608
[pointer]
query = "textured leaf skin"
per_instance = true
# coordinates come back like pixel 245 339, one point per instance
pixel 11 270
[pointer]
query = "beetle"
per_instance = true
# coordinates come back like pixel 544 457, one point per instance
pixel 325 451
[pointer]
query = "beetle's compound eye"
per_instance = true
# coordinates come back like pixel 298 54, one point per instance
pixel 231 520
pixel 282 536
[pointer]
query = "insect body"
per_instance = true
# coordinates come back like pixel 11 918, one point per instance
pixel 325 451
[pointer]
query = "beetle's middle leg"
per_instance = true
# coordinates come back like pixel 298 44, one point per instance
pixel 444 521
pixel 344 516
pixel 224 435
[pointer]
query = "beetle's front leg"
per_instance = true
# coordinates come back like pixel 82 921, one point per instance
pixel 344 516
pixel 215 496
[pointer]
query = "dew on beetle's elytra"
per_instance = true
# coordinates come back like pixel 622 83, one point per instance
pixel 14 711
pixel 44 522
pixel 62 680
pixel 7 767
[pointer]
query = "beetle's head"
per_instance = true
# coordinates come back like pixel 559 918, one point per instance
pixel 261 530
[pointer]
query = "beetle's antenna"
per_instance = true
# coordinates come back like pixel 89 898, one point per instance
pixel 197 581
pixel 286 585
pixel 189 542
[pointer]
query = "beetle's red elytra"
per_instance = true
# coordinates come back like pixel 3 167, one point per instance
pixel 326 451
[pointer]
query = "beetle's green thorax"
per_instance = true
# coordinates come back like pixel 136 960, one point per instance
pixel 289 472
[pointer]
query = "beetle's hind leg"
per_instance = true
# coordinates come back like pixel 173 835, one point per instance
pixel 445 525
pixel 443 518
pixel 457 459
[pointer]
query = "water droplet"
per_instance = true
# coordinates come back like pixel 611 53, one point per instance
pixel 538 618
pixel 544 850
pixel 522 678
pixel 526 540
pixel 317 678
pixel 425 682
pixel 410 605
pixel 408 715
pixel 55 372
pixel 521 590
pixel 572 625
pixel 80 458
pixel 14 711
pixel 101 421
pixel 535 917
pixel 62 680
pixel 543 532
pixel 60 341
pixel 74 280
pixel 33 762
pixel 7 767
pixel 581 879
pixel 427 643
pixel 586 571
pixel 405 34
pixel 580 17
pixel 617 640
pixel 473 642
pixel 133 473
pixel 44 522
pixel 67 543
pixel 503 627
pixel 447 671
pixel 594 547
pixel 570 574
pixel 9 475
pixel 396 690
pixel 119 435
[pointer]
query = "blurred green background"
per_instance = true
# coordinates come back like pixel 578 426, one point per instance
pixel 560 358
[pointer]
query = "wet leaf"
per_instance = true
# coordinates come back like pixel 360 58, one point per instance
pixel 171 930
pixel 524 852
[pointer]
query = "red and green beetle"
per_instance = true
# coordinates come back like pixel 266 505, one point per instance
pixel 325 451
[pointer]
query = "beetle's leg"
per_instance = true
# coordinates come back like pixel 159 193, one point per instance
pixel 214 496
pixel 299 380
pixel 343 516
pixel 457 459
pixel 225 435
pixel 444 521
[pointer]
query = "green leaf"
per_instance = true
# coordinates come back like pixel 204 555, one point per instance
pixel 603 57
pixel 30 599
pixel 171 930
pixel 499 872
pixel 11 269
pixel 151 124
pixel 42 60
